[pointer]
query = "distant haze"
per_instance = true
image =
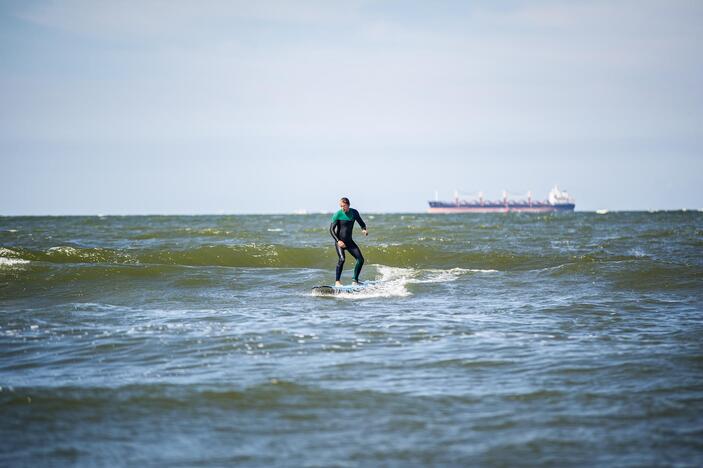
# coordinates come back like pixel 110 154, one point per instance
pixel 168 107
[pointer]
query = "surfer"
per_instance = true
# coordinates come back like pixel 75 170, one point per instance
pixel 341 230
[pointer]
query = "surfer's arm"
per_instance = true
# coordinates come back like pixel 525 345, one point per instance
pixel 333 230
pixel 361 222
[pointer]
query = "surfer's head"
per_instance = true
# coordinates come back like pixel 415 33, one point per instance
pixel 344 204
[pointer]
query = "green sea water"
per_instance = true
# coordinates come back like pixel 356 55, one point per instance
pixel 491 340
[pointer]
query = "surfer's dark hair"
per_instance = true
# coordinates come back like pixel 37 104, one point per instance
pixel 344 200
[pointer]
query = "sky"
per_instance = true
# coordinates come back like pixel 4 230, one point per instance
pixel 190 107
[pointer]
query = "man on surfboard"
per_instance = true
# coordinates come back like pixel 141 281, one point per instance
pixel 341 230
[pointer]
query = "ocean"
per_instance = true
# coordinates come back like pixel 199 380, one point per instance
pixel 488 340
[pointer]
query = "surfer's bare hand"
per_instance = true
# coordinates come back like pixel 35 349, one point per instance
pixel 341 244
pixel 365 231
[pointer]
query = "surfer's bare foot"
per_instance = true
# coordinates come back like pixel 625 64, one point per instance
pixel 356 283
pixel 337 283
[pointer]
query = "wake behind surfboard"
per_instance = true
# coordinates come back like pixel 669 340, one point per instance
pixel 326 290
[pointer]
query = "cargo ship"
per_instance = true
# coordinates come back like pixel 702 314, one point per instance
pixel 557 201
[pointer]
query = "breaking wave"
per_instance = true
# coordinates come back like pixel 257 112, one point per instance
pixel 281 256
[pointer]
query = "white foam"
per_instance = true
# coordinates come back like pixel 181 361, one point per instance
pixel 391 288
pixel 393 281
pixel 433 239
pixel 62 250
pixel 12 261
pixel 637 252
pixel 274 229
pixel 8 258
pixel 389 273
pixel 444 276
pixel 411 275
pixel 4 252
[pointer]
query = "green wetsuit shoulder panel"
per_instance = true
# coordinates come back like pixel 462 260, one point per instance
pixel 342 216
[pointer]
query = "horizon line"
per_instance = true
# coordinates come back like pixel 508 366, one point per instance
pixel 293 213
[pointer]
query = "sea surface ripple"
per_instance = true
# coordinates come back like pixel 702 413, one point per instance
pixel 492 340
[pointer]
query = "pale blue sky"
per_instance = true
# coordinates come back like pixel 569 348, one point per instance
pixel 260 107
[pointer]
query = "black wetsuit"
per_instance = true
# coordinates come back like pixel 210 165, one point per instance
pixel 341 229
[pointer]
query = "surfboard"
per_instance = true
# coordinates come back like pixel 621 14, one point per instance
pixel 327 290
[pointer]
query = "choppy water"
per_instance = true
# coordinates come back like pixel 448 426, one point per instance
pixel 491 340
